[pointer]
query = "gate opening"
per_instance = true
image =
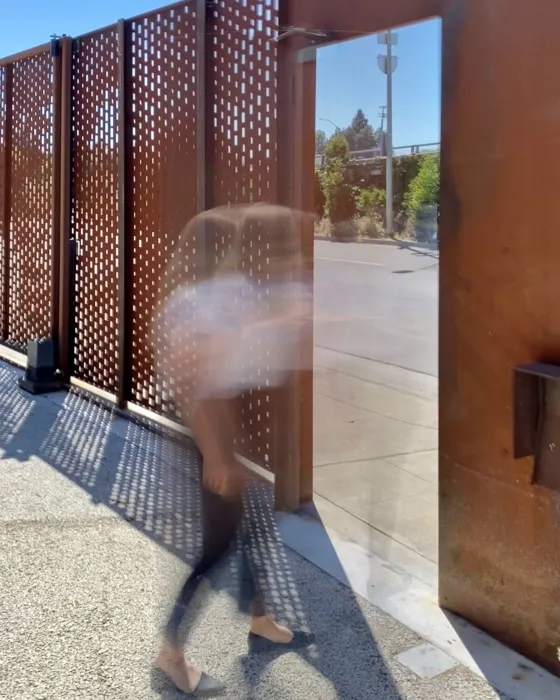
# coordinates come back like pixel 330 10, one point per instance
pixel 376 290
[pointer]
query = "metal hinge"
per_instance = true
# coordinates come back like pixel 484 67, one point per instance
pixel 312 34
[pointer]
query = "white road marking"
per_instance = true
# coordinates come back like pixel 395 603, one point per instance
pixel 356 262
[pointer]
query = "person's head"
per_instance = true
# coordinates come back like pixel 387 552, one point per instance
pixel 269 244
pixel 207 246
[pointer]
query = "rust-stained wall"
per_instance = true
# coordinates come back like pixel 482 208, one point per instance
pixel 499 306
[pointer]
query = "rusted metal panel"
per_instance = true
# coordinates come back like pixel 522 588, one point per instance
pixel 95 207
pixel 351 19
pixel 22 55
pixel 5 188
pixel 31 199
pixel 244 90
pixel 163 162
pixel 500 540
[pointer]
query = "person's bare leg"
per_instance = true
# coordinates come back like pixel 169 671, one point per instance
pixel 214 431
pixel 211 436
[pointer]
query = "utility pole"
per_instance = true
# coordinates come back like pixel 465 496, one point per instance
pixel 388 65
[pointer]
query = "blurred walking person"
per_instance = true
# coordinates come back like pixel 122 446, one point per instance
pixel 234 307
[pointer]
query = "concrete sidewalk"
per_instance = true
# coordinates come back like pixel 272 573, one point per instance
pixel 375 450
pixel 97 528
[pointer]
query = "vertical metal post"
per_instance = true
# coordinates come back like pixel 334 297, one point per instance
pixel 204 122
pixel 55 206
pixel 389 155
pixel 388 65
pixel 286 405
pixel 297 463
pixel 66 277
pixel 304 202
pixel 6 213
pixel 203 104
pixel 124 140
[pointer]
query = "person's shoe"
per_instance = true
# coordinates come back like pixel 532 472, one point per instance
pixel 186 677
pixel 264 626
pixel 266 635
pixel 261 645
pixel 207 686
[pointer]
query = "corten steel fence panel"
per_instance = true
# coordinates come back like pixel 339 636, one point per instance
pixel 31 199
pixel 244 84
pixel 3 183
pixel 163 159
pixel 94 207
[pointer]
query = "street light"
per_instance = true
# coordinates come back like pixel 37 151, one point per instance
pixel 388 65
pixel 322 119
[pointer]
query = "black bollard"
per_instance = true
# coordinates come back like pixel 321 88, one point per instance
pixel 41 376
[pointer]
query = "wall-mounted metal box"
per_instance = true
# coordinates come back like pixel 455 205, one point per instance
pixel 536 422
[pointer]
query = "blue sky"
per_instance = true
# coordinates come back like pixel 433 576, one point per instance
pixel 347 73
pixel 27 23
pixel 348 78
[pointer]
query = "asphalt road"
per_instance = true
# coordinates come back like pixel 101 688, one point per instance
pixel 378 302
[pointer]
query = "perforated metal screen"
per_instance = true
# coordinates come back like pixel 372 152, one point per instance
pixel 3 115
pixel 244 81
pixel 164 158
pixel 94 212
pixel 157 54
pixel 30 278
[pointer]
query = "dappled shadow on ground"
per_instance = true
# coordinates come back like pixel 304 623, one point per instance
pixel 151 481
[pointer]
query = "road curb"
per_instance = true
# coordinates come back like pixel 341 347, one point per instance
pixel 382 241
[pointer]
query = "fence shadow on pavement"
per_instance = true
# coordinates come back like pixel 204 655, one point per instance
pixel 151 481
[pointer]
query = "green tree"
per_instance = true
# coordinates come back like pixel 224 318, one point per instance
pixel 424 188
pixel 369 201
pixel 319 196
pixel 320 142
pixel 340 203
pixel 360 134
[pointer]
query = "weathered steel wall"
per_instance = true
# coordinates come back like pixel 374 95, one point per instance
pixel 500 532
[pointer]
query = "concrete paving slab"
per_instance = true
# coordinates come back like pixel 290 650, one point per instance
pixel 398 378
pixel 412 520
pixel 358 485
pixel 348 528
pixel 421 464
pixel 426 661
pixel 345 433
pixel 377 398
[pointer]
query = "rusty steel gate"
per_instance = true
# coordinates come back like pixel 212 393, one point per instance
pixel 109 143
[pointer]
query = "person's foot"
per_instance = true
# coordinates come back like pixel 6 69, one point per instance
pixel 184 674
pixel 264 626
